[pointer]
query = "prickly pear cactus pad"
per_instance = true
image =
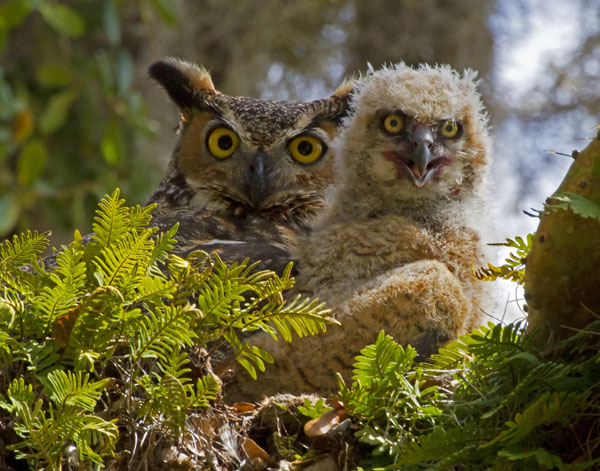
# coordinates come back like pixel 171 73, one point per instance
pixel 562 276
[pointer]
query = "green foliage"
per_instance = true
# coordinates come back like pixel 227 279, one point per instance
pixel 388 398
pixel 47 428
pixel 576 203
pixel 70 111
pixel 497 401
pixel 313 410
pixel 108 336
pixel 514 268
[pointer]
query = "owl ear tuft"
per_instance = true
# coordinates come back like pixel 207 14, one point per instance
pixel 338 104
pixel 345 89
pixel 182 80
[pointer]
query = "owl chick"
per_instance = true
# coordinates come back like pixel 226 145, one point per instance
pixel 396 249
pixel 246 172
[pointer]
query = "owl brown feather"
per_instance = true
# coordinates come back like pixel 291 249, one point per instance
pixel 259 193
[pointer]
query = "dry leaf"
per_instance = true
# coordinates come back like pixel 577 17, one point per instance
pixel 207 426
pixel 254 451
pixel 23 126
pixel 322 425
pixel 244 407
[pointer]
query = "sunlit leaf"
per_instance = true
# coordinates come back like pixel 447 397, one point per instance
pixel 54 74
pixel 166 10
pixel 9 213
pixel 63 19
pixel 3 35
pixel 32 162
pixel 13 13
pixel 124 67
pixel 112 146
pixel 110 20
pixel 576 203
pixel 23 125
pixel 55 114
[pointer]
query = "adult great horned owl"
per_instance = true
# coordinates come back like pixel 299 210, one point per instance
pixel 396 249
pixel 244 169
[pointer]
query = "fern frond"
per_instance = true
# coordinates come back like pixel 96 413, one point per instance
pixel 42 357
pixel 68 279
pixel 170 397
pixel 387 400
pixel 303 315
pixel 313 410
pixel 94 437
pixel 139 218
pixel 23 249
pixel 9 348
pixel 73 389
pixel 97 325
pixel 46 432
pixel 119 264
pixel 548 408
pixel 19 400
pixel 165 242
pixel 514 268
pixel 207 388
pixel 239 271
pixel 153 289
pixel 382 361
pixel 446 447
pixel 162 330
pixel 111 221
pixel 12 308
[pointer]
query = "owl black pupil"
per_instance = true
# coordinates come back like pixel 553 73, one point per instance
pixel 225 142
pixel 305 148
pixel 394 123
pixel 449 127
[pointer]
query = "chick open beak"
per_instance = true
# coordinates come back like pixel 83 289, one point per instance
pixel 422 164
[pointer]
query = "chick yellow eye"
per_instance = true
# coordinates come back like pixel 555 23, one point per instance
pixel 306 149
pixel 393 123
pixel 222 142
pixel 450 128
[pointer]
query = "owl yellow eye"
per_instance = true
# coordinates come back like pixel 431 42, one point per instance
pixel 222 142
pixel 450 128
pixel 393 123
pixel 306 149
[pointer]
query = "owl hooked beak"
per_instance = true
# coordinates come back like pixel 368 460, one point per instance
pixel 420 163
pixel 260 179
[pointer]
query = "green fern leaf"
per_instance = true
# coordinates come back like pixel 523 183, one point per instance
pixel 165 242
pixel 23 249
pixel 154 290
pixel 111 221
pixel 382 361
pixel 163 330
pixel 41 357
pixel 120 264
pixel 249 356
pixel 69 279
pixel 139 218
pixel 74 389
pixel 542 457
pixel 207 388
pixel 548 408
pixel 514 268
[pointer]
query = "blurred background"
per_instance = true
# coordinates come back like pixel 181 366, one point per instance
pixel 79 116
